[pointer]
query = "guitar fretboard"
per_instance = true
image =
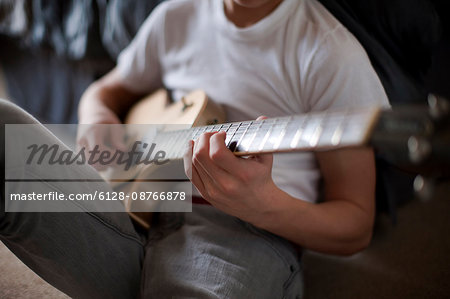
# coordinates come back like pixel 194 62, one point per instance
pixel 308 132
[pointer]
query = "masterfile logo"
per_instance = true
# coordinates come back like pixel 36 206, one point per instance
pixel 140 153
pixel 48 169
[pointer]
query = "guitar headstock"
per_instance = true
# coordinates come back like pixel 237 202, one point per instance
pixel 416 137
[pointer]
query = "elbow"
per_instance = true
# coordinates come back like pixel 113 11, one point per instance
pixel 357 236
pixel 357 244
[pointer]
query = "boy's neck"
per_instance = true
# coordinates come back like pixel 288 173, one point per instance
pixel 245 16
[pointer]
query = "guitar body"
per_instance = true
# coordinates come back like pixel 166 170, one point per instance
pixel 194 110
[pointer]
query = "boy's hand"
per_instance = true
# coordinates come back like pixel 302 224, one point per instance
pixel 100 130
pixel 101 138
pixel 98 110
pixel 242 187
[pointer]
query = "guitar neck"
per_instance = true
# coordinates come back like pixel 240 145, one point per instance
pixel 307 132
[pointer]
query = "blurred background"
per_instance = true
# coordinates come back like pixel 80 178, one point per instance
pixel 51 50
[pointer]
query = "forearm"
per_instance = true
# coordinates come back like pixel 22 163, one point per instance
pixel 105 100
pixel 335 227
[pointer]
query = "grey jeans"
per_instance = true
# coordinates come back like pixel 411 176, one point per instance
pixel 203 254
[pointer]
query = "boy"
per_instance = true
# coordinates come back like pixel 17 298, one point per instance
pixel 256 57
pixel 259 57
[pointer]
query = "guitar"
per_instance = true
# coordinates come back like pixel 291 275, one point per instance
pixel 315 131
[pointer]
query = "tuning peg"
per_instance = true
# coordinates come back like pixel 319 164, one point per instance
pixel 418 148
pixel 424 188
pixel 438 106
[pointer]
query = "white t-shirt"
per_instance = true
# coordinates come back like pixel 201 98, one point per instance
pixel 297 59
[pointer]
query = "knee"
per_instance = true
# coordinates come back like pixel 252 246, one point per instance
pixel 10 113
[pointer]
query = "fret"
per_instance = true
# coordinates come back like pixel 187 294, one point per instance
pixel 157 139
pixel 296 138
pixel 194 130
pixel 249 136
pixel 193 133
pixel 225 127
pixel 283 132
pixel 146 139
pixel 337 135
pixel 180 144
pixel 216 128
pixel 275 132
pixel 168 142
pixel 176 139
pixel 203 130
pixel 196 133
pixel 199 131
pixel 336 123
pixel 316 135
pixel 331 125
pixel 261 146
pixel 243 132
pixel 230 133
pixel 163 140
pixel 309 129
pixel 240 128
pixel 292 125
pixel 244 125
pixel 173 137
pixel 259 131
pixel 313 141
pixel 298 134
pixel 182 148
pixel 184 144
pixel 234 126
pixel 249 143
pixel 354 132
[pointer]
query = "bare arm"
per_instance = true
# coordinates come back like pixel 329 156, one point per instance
pixel 244 188
pixel 106 100
pixel 342 224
